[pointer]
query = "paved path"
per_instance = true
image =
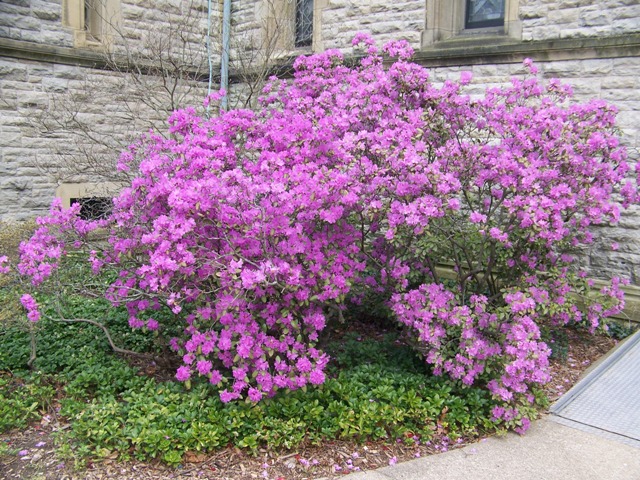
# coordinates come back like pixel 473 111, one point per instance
pixel 549 451
pixel 607 400
pixel 595 436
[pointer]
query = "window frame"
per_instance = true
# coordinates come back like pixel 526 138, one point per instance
pixel 279 21
pixel 70 193
pixel 446 21
pixel 99 28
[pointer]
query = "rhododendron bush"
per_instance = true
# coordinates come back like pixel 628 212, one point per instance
pixel 354 183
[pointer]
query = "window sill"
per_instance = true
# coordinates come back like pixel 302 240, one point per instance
pixel 474 38
pixel 83 39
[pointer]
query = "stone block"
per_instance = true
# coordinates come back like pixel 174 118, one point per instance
pixel 47 11
pixel 589 88
pixel 19 22
pixel 597 67
pixel 621 82
pixel 10 137
pixel 625 25
pixel 619 95
pixel 595 17
pixel 564 16
pixel 13 71
pixel 546 32
pixel 69 72
pixel 21 3
pixel 563 69
pixel 8 9
pixel 33 99
pixel 55 85
pixel 630 12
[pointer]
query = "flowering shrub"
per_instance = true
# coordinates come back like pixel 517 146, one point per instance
pixel 253 226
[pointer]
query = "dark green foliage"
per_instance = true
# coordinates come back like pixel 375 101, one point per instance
pixel 557 340
pixel 376 390
pixel 23 400
pixel 621 330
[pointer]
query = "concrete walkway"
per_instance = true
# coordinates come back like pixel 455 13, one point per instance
pixel 596 438
pixel 549 451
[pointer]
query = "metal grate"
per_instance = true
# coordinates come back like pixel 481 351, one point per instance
pixel 93 208
pixel 608 399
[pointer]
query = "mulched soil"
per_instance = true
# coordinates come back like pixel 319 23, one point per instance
pixel 33 454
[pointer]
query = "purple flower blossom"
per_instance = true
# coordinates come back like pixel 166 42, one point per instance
pixel 350 180
pixel 183 374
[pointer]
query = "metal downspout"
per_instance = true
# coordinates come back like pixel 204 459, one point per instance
pixel 224 63
pixel 209 50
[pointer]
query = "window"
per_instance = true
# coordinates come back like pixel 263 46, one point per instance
pixel 484 13
pixel 93 208
pixel 458 19
pixel 304 23
pixel 93 21
pixel 291 24
pixel 94 198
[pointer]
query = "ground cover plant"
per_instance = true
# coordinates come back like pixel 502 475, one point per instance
pixel 377 389
pixel 65 431
pixel 245 233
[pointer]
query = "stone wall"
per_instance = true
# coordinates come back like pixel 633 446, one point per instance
pixel 137 28
pixel 67 124
pixel 58 110
pixel 594 45
pixel 342 19
pixel 616 80
pixel 552 19
pixel 38 21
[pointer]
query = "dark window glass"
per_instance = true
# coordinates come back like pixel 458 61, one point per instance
pixel 93 208
pixel 304 23
pixel 484 13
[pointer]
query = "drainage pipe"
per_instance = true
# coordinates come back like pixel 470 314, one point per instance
pixel 209 50
pixel 224 63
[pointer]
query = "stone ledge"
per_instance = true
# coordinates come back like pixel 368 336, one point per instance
pixel 492 50
pixel 51 54
pixel 456 52
pixel 79 57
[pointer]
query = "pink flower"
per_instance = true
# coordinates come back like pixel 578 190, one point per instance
pixel 29 303
pixel 152 324
pixel 316 377
pixel 476 217
pixel 255 395
pixel 183 374
pixel 4 268
pixel 203 367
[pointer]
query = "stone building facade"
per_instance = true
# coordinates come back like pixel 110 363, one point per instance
pixel 49 48
pixel 79 80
